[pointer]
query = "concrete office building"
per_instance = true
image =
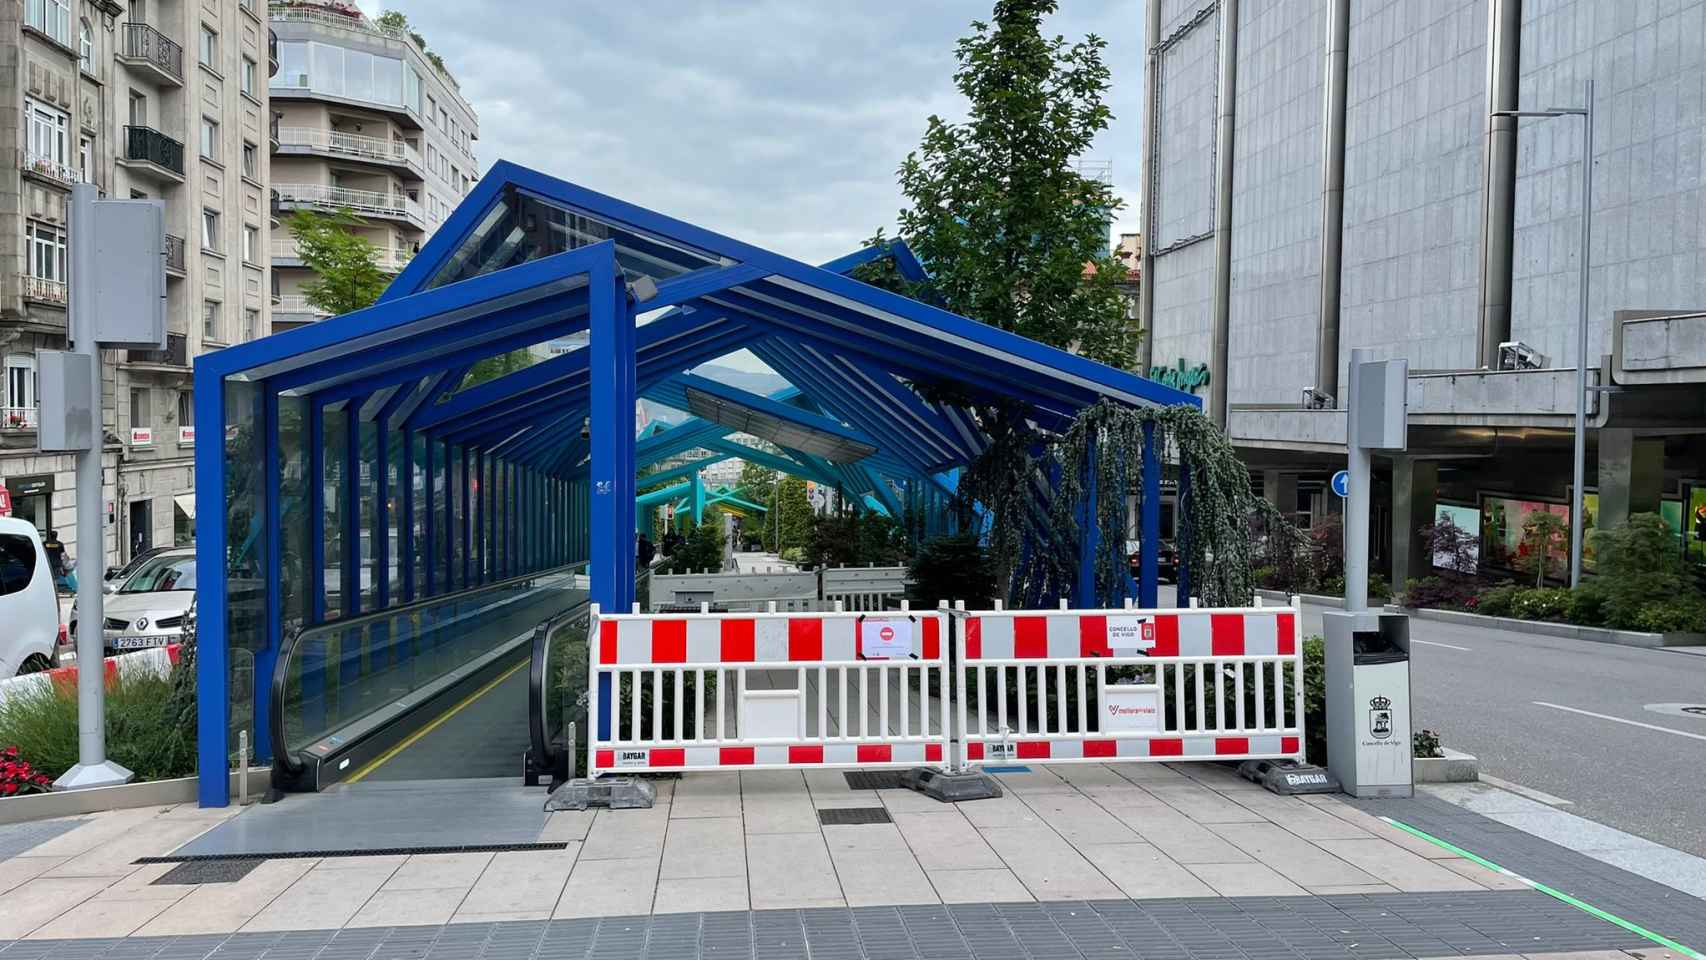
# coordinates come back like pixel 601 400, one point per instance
pixel 369 122
pixel 160 99
pixel 1322 175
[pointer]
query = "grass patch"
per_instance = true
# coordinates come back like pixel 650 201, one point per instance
pixel 143 730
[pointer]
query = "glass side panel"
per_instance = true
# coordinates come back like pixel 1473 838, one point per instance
pixel 417 471
pixel 367 490
pixel 296 523
pixel 394 561
pixel 340 674
pixel 335 459
pixel 246 547
pixel 521 227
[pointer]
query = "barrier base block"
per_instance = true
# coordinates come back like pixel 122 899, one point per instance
pixel 951 787
pixel 617 793
pixel 1288 777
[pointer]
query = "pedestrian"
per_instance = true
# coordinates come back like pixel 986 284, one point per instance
pixel 64 578
pixel 644 551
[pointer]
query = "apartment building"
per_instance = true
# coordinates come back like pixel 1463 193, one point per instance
pixel 368 121
pixel 1328 175
pixel 163 99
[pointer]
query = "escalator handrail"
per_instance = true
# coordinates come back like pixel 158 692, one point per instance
pixel 538 677
pixel 281 753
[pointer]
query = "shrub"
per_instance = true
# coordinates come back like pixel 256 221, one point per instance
pixel 1682 614
pixel 1497 601
pixel 143 728
pixel 952 568
pixel 1438 593
pixel 18 777
pixel 1541 603
pixel 701 550
pixel 1587 605
pixel 1315 700
pixel 1640 570
pixel 1425 743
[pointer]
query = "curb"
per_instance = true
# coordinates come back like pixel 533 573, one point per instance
pixel 152 793
pixel 1568 631
pixel 1455 767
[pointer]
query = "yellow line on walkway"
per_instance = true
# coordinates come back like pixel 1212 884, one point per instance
pixel 434 725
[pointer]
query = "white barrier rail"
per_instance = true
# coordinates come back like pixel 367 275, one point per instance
pixel 734 591
pixel 862 588
pixel 731 691
pixel 1107 685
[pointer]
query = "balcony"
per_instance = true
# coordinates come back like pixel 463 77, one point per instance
pixel 45 291
pixel 390 260
pixel 174 256
pixel 150 152
pixel 46 168
pixel 272 134
pixel 149 50
pixel 368 203
pixel 290 13
pixel 295 308
pixel 272 53
pixel 19 418
pixel 273 207
pixel 393 153
pixel 176 354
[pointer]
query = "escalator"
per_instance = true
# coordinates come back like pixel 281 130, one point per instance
pixel 557 688
pixel 430 690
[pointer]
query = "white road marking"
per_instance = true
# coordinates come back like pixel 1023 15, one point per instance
pixel 1436 643
pixel 1632 723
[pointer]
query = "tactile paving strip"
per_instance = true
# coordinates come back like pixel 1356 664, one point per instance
pixel 852 816
pixel 873 780
pixel 208 871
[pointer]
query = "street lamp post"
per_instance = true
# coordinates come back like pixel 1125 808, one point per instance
pixel 1580 456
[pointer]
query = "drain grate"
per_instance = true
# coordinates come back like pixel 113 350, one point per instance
pixel 873 780
pixel 852 816
pixel 372 852
pixel 208 871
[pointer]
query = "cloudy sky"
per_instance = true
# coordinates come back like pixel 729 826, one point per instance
pixel 780 122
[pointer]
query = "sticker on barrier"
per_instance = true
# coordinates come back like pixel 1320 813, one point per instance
pixel 1109 685
pixel 677 692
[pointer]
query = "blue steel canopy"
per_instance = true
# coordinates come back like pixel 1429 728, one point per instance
pixel 538 466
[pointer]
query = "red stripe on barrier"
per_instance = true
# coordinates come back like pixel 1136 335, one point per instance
pixel 669 641
pixel 974 643
pixel 874 753
pixel 737 756
pixel 1101 748
pixel 607 641
pixel 737 643
pixel 1224 746
pixel 1034 749
pixel 1286 624
pixel 605 759
pixel 1166 748
pixel 805 639
pixel 1289 745
pixel 668 757
pixel 1166 636
pixel 932 753
pixel 1226 634
pixel 805 754
pixel 1030 638
pixel 974 751
pixel 932 639
pixel 1093 637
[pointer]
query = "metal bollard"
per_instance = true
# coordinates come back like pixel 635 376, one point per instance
pixel 242 767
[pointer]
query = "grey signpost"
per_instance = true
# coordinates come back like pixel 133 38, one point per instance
pixel 117 300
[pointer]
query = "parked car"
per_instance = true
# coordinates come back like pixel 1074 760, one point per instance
pixel 116 576
pixel 1166 560
pixel 148 609
pixel 28 606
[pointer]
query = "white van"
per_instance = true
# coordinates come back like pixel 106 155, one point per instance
pixel 28 606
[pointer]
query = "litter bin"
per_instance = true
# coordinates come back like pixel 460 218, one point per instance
pixel 1368 702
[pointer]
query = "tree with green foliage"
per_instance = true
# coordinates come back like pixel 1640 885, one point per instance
pixel 790 515
pixel 1545 536
pixel 346 269
pixel 501 365
pixel 701 549
pixel 759 485
pixel 997 208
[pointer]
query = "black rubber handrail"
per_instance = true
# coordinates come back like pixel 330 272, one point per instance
pixel 282 757
pixel 539 674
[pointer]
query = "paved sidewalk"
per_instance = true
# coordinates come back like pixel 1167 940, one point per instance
pixel 1138 860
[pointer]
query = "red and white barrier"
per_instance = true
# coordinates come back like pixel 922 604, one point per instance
pixel 767 690
pixel 157 661
pixel 1111 685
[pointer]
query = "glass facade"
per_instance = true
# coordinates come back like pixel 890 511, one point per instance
pixel 352 74
pixel 333 506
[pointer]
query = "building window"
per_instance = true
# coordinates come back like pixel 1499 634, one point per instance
pixel 141 410
pixel 86 47
pixel 52 17
pixel 210 230
pixel 251 161
pixel 209 139
pixel 186 408
pixel 209 48
pixel 20 389
pixel 138 109
pixel 251 244
pixel 86 159
pixel 46 251
pixel 46 137
pixel 251 323
pixel 210 320
pixel 248 76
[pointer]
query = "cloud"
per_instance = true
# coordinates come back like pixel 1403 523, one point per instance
pixel 779 122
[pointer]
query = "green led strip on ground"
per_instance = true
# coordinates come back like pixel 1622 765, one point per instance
pixel 1555 894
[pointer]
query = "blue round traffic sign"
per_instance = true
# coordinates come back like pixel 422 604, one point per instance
pixel 1342 483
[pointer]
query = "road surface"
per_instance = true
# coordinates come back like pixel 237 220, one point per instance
pixel 1572 719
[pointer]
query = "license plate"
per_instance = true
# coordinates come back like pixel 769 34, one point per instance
pixel 137 643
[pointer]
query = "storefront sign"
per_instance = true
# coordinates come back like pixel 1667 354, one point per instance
pixel 1183 376
pixel 38 485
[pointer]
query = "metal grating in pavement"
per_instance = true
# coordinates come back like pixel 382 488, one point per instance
pixel 852 816
pixel 873 780
pixel 368 852
pixel 208 871
pixel 1648 903
pixel 1346 927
